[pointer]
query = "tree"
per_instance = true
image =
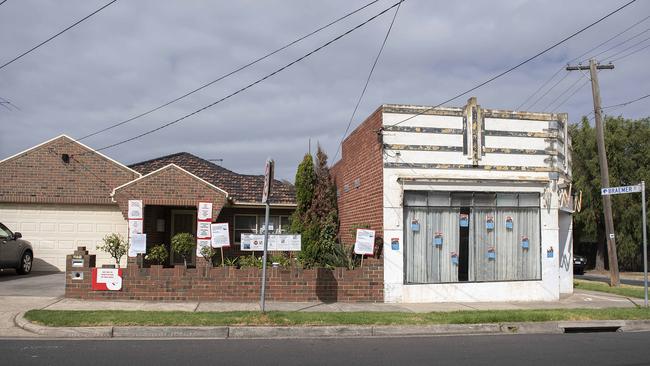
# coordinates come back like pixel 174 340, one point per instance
pixel 628 154
pixel 320 226
pixel 305 182
pixel 183 244
pixel 115 246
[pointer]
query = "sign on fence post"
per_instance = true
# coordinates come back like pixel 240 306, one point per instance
pixel 636 189
pixel 266 194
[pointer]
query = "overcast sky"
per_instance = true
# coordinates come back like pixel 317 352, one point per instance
pixel 136 55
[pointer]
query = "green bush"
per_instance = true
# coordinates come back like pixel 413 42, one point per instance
pixel 158 254
pixel 247 261
pixel 280 258
pixel 230 262
pixel 183 244
pixel 115 246
pixel 208 253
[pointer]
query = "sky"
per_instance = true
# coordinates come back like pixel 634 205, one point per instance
pixel 136 55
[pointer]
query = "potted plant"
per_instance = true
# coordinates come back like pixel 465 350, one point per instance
pixel 158 255
pixel 115 246
pixel 183 244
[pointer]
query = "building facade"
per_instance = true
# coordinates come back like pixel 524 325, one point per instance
pixel 62 195
pixel 469 204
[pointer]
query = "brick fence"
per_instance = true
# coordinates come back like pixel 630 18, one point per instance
pixel 229 283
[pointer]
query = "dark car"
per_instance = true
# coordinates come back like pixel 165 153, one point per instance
pixel 15 252
pixel 579 264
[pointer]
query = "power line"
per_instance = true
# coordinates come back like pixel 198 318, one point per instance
pixel 549 90
pixel 570 95
pixel 562 94
pixel 619 44
pixel 630 54
pixel 627 103
pixel 363 91
pixel 577 58
pixel 519 64
pixel 251 84
pixel 56 35
pixel 609 39
pixel 626 49
pixel 3 1
pixel 227 74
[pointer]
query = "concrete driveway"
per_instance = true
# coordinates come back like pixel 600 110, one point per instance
pixel 20 293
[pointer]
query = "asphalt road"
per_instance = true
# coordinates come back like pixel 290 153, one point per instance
pixel 624 281
pixel 591 349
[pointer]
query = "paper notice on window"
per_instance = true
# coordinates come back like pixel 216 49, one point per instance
pixel 203 230
pixel 365 242
pixel 135 209
pixel 137 244
pixel 220 235
pixel 205 211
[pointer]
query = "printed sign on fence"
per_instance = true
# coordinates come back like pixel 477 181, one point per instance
pixel 365 242
pixel 137 244
pixel 106 279
pixel 277 242
pixel 135 209
pixel 205 211
pixel 220 235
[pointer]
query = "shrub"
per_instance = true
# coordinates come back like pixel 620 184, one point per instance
pixel 208 253
pixel 115 246
pixel 247 261
pixel 158 254
pixel 281 259
pixel 231 262
pixel 183 244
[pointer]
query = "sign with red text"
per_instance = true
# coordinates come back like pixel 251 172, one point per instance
pixel 107 279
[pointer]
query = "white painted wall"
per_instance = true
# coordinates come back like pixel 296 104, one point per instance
pixel 471 180
pixel 566 250
pixel 57 230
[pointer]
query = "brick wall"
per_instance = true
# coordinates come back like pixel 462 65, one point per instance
pixel 40 175
pixel 232 284
pixel 170 186
pixel 361 161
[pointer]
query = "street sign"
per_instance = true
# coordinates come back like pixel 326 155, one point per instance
pixel 620 190
pixel 268 179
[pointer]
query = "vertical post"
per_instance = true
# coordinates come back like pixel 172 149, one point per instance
pixel 604 177
pixel 645 246
pixel 266 243
pixel 266 194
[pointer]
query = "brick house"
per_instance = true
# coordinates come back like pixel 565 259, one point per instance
pixel 61 194
pixel 470 204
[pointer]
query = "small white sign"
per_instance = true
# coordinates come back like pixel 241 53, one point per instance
pixel 135 209
pixel 220 235
pixel 205 211
pixel 137 244
pixel 111 277
pixel 135 227
pixel 200 243
pixel 620 190
pixel 203 230
pixel 277 242
pixel 365 242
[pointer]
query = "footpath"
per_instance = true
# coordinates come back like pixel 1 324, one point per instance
pixel 13 324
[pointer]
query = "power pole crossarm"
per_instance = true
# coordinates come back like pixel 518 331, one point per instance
pixel 604 169
pixel 581 67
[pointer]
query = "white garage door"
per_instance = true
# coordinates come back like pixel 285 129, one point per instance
pixel 56 230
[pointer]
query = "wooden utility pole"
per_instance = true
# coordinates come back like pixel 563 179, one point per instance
pixel 604 169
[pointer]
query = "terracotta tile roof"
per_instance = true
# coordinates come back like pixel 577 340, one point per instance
pixel 241 187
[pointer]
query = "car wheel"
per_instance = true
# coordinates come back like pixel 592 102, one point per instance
pixel 25 264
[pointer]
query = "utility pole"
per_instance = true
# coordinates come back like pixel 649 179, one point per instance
pixel 604 169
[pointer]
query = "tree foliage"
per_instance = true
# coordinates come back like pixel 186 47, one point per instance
pixel 115 246
pixel 628 154
pixel 305 182
pixel 319 223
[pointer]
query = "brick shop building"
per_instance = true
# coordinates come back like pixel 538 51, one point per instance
pixel 469 204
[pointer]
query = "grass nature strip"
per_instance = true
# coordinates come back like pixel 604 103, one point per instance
pixel 623 290
pixel 70 318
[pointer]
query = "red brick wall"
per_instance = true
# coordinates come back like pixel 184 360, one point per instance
pixel 361 159
pixel 40 175
pixel 170 186
pixel 235 285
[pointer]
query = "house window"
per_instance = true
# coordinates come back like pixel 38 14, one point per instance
pixel 471 237
pixel 254 224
